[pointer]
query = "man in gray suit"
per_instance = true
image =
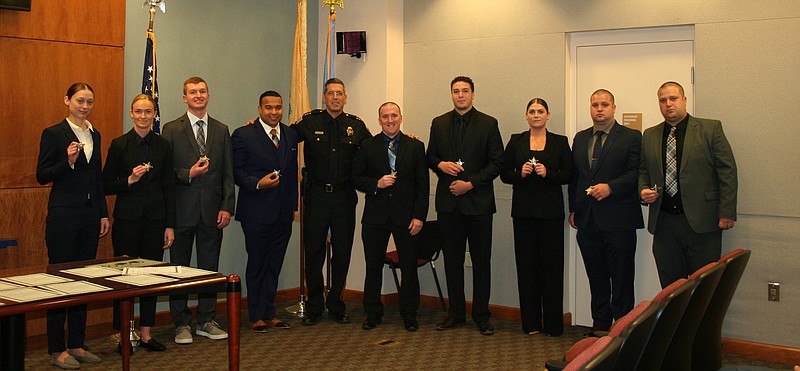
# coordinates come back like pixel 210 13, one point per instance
pixel 688 177
pixel 204 190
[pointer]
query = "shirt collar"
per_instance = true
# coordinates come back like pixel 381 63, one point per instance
pixel 76 127
pixel 268 128
pixel 193 119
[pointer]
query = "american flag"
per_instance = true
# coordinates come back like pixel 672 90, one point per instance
pixel 149 81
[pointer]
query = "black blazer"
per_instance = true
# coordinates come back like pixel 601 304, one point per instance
pixel 535 196
pixel 254 156
pixel 72 188
pixel 619 167
pixel 481 150
pixel 153 196
pixel 408 198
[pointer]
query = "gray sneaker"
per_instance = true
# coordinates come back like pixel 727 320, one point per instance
pixel 183 335
pixel 211 330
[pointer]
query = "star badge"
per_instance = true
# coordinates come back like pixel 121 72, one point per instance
pixel 589 190
pixel 148 166
pixel 460 163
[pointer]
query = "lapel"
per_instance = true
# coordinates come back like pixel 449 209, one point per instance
pixel 449 130
pixel 581 148
pixel 655 147
pixel 71 137
pixel 187 130
pixel 692 130
pixel 469 130
pixel 403 143
pixel 132 154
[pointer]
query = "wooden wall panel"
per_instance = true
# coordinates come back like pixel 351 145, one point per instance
pixel 36 75
pixel 87 22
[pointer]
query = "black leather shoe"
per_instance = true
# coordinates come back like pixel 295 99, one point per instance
pixel 411 324
pixel 152 346
pixel 450 323
pixel 486 328
pixel 341 318
pixel 310 319
pixel 371 322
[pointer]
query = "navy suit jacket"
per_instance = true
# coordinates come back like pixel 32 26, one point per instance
pixel 618 166
pixel 405 200
pixel 202 198
pixel 71 187
pixel 254 156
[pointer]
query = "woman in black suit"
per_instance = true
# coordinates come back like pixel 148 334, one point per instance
pixel 537 163
pixel 77 216
pixel 139 171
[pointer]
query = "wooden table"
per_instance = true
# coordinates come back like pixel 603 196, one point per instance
pixel 12 315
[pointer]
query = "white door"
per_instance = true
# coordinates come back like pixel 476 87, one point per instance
pixel 632 64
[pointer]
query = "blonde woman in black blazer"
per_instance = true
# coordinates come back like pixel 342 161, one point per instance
pixel 537 163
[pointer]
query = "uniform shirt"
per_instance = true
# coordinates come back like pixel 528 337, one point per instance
pixel 330 145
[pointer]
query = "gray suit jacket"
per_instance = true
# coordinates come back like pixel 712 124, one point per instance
pixel 707 174
pixel 202 198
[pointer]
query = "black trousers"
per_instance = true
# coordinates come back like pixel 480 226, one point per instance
pixel 680 251
pixel 139 239
pixel 376 238
pixel 609 260
pixel 70 237
pixel 539 252
pixel 209 242
pixel 323 211
pixel 457 229
pixel 266 247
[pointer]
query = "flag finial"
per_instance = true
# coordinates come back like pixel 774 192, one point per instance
pixel 333 4
pixel 153 4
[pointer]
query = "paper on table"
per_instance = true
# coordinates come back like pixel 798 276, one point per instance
pixel 92 271
pixel 188 272
pixel 8 286
pixel 132 271
pixel 142 279
pixel 129 263
pixel 36 279
pixel 76 287
pixel 26 294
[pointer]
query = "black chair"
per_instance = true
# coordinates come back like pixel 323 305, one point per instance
pixel 707 346
pixel 428 247
pixel 679 353
pixel 673 299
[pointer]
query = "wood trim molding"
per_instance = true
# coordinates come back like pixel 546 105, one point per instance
pixel 766 352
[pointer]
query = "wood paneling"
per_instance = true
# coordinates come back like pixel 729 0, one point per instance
pixel 36 75
pixel 86 22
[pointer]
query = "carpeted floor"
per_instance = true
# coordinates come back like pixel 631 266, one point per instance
pixel 330 346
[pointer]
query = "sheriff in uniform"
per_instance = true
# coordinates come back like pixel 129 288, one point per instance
pixel 332 138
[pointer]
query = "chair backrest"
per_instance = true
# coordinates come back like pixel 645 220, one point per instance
pixel 673 299
pixel 430 241
pixel 707 346
pixel 634 336
pixel 679 353
pixel 598 357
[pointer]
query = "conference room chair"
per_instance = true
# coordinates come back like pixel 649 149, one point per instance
pixel 679 353
pixel 600 356
pixel 428 247
pixel 673 300
pixel 707 345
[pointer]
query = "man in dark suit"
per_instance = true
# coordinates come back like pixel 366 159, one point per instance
pixel 391 169
pixel 604 207
pixel 688 177
pixel 265 169
pixel 466 153
pixel 201 148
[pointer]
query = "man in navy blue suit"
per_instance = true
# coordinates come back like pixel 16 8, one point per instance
pixel 265 169
pixel 604 208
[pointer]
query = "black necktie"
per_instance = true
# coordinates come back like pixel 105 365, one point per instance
pixel 459 129
pixel 598 147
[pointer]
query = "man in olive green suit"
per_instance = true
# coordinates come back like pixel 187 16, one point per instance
pixel 688 178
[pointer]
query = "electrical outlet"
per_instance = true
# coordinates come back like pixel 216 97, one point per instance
pixel 467 259
pixel 774 292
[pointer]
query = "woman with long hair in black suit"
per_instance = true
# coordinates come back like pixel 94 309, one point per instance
pixel 537 163
pixel 77 216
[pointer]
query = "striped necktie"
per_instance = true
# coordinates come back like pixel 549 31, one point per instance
pixel 275 140
pixel 671 177
pixel 201 137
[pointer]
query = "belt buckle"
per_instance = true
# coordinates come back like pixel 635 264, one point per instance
pixel 328 187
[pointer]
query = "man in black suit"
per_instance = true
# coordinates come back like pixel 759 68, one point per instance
pixel 265 169
pixel 466 153
pixel 201 148
pixel 391 169
pixel 604 207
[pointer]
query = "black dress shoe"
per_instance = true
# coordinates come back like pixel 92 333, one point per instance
pixel 310 319
pixel 152 346
pixel 450 323
pixel 371 322
pixel 340 318
pixel 411 324
pixel 485 328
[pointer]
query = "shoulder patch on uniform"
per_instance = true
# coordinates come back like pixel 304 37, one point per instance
pixel 313 112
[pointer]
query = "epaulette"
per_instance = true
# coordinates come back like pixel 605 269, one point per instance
pixel 313 112
pixel 352 116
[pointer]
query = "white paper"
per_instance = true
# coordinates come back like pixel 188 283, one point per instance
pixel 93 271
pixel 142 279
pixel 129 263
pixel 26 294
pixel 36 279
pixel 76 287
pixel 189 272
pixel 8 286
pixel 132 271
